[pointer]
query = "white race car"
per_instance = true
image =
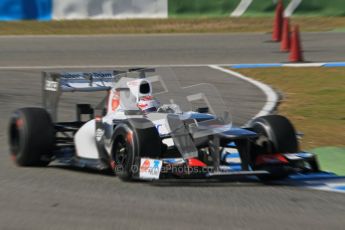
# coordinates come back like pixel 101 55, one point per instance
pixel 141 134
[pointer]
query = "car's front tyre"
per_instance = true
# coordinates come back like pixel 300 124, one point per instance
pixel 132 139
pixel 280 137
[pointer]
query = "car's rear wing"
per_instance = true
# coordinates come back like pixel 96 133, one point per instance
pixel 54 84
pixel 77 81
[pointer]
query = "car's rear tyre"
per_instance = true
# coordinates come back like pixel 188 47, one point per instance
pixel 280 137
pixel 133 139
pixel 31 137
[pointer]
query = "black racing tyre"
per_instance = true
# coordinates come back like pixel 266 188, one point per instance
pixel 280 138
pixel 280 133
pixel 31 137
pixel 132 139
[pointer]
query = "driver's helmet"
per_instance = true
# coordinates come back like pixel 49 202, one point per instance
pixel 148 104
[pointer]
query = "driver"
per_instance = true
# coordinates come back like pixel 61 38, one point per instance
pixel 148 104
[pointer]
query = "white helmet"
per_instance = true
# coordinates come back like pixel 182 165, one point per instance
pixel 148 104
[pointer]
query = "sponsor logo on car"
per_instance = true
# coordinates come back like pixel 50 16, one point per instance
pixel 51 85
pixel 174 161
pixel 99 134
pixel 161 127
pixel 150 168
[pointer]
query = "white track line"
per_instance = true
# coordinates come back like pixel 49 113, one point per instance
pixel 33 67
pixel 241 8
pixel 55 67
pixel 291 7
pixel 101 66
pixel 271 96
pixel 301 65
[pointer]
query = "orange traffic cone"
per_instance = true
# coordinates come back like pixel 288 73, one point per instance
pixel 278 20
pixel 285 44
pixel 296 48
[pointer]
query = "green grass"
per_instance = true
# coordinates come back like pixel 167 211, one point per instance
pixel 314 99
pixel 339 30
pixel 181 25
pixel 331 159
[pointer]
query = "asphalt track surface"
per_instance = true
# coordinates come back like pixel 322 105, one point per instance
pixel 163 49
pixel 64 198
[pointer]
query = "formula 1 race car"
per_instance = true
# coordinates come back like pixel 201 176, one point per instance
pixel 149 127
